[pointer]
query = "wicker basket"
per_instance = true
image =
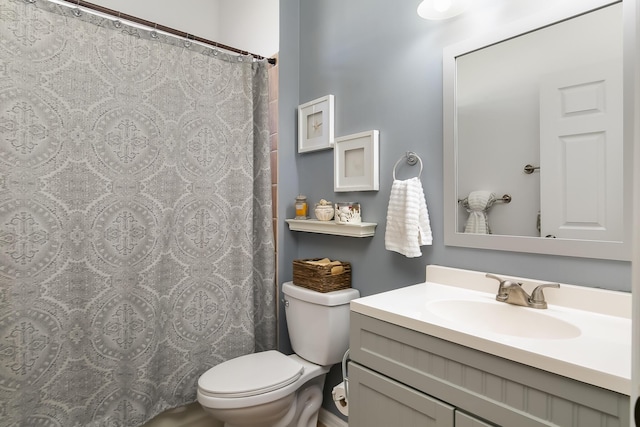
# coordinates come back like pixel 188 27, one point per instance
pixel 319 277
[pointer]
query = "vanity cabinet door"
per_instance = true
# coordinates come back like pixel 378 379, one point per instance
pixel 377 401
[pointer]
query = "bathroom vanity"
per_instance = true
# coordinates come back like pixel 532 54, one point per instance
pixel 419 358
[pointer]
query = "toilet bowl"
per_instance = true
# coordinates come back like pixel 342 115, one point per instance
pixel 274 390
pixel 270 389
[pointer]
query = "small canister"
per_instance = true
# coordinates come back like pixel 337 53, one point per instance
pixel 301 207
pixel 324 210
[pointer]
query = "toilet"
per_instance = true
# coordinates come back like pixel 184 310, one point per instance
pixel 270 389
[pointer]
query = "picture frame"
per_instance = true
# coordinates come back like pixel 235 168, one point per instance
pixel 356 162
pixel 315 124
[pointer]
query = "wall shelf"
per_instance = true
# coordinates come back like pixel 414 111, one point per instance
pixel 364 229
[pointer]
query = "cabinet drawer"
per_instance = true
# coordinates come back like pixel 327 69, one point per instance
pixel 377 401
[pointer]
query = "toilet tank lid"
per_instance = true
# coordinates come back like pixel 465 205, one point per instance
pixel 250 375
pixel 322 298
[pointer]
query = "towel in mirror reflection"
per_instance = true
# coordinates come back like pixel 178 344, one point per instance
pixel 478 204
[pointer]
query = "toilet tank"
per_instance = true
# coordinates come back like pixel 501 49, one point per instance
pixel 318 323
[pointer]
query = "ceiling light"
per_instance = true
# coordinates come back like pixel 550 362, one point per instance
pixel 441 9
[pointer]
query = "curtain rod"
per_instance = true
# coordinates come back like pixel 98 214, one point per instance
pixel 163 28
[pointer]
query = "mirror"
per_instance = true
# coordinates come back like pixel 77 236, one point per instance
pixel 535 158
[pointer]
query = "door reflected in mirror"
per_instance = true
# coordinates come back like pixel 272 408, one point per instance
pixel 538 115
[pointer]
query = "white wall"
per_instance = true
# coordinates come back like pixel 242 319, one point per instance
pixel 250 25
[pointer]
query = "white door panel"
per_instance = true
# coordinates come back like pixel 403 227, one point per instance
pixel 581 184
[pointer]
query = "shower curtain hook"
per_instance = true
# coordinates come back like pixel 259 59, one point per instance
pixel 77 12
pixel 154 32
pixel 117 23
pixel 187 42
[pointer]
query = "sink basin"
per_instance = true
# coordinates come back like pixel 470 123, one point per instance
pixel 502 318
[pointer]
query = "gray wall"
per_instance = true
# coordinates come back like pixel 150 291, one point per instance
pixel 384 65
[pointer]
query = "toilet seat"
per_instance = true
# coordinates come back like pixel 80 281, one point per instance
pixel 250 375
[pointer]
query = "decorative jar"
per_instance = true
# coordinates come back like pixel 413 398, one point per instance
pixel 324 210
pixel 301 207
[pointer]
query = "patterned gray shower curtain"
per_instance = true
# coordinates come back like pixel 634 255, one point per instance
pixel 136 245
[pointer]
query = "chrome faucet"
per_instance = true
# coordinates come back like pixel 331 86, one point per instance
pixel 513 293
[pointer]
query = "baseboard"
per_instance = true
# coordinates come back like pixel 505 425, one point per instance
pixel 330 420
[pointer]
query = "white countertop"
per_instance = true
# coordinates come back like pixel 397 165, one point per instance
pixel 599 355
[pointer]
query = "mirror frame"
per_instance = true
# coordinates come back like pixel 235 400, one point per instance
pixel 564 247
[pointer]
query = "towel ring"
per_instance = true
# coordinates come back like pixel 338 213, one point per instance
pixel 412 158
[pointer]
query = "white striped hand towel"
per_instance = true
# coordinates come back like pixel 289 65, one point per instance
pixel 408 225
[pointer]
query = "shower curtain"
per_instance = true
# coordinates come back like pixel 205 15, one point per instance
pixel 136 245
